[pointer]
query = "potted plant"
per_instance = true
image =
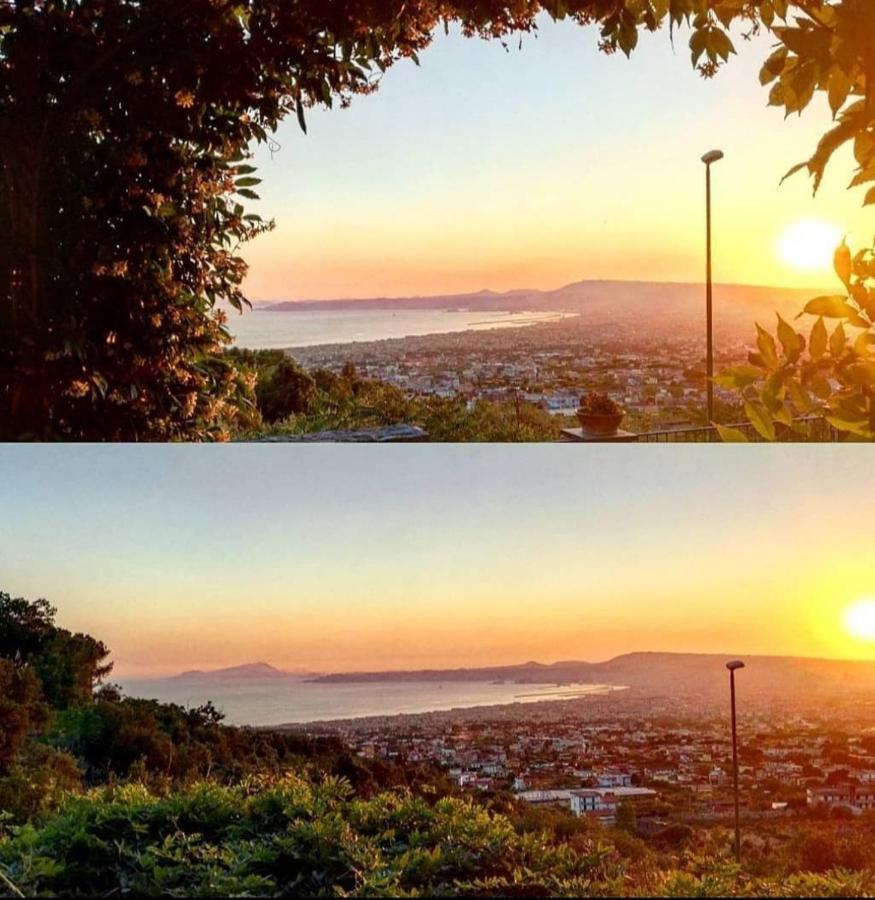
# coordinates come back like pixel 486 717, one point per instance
pixel 598 414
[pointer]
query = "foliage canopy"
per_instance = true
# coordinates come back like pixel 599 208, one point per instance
pixel 292 400
pixel 271 836
pixel 125 127
pixel 68 666
pixel 59 730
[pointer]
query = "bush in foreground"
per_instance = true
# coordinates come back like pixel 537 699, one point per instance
pixel 285 836
pixel 290 835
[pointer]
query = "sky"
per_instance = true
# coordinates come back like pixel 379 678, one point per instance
pixel 540 166
pixel 337 558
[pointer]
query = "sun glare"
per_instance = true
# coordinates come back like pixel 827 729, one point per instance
pixel 859 619
pixel 809 245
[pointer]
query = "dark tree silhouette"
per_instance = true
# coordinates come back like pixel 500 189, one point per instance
pixel 68 666
pixel 287 390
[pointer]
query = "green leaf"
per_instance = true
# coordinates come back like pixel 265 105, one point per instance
pixel 839 88
pixel 860 374
pixel 698 44
pixel 857 426
pixel 838 341
pixel 783 415
pixel 835 306
pixel 721 44
pixel 759 417
pixel 863 343
pixel 821 387
pixel 774 66
pixel 792 342
pixel 800 397
pixel 842 262
pixel 100 383
pixel 738 376
pixel 767 347
pixel 731 435
pixel 818 341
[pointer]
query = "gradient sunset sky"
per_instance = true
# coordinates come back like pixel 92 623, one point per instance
pixel 542 166
pixel 339 558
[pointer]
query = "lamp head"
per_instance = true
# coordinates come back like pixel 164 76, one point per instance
pixel 712 157
pixel 734 664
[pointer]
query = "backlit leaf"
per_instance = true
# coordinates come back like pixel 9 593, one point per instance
pixel 731 435
pixel 761 420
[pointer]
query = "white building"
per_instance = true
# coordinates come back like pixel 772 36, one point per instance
pixel 611 778
pixel 545 798
pixel 590 800
pixel 601 803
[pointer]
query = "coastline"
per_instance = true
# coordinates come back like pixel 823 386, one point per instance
pixel 264 328
pixel 280 703
pixel 544 319
pixel 536 710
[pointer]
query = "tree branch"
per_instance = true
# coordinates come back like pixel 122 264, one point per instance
pixel 10 885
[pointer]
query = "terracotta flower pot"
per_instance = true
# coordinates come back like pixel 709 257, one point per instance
pixel 604 424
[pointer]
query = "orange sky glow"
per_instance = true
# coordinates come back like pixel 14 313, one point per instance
pixel 542 166
pixel 440 555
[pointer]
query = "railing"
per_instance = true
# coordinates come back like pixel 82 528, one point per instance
pixel 810 430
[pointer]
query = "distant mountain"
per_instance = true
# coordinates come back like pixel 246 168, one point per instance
pixel 673 673
pixel 596 298
pixel 259 670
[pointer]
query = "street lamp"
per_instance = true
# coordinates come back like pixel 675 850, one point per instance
pixel 709 159
pixel 732 665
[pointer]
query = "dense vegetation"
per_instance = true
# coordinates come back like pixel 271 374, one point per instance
pixel 125 132
pixel 62 730
pixel 291 400
pixel 290 836
pixel 102 794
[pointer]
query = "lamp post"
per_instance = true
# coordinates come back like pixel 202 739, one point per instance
pixel 709 159
pixel 732 665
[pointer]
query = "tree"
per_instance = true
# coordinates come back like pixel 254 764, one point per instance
pixel 125 127
pixel 25 626
pixel 68 666
pixel 627 817
pixel 285 391
pixel 22 711
pixel 817 853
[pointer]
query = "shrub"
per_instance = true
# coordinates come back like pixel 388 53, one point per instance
pixel 281 836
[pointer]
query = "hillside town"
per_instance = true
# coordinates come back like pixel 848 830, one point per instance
pixel 656 374
pixel 656 758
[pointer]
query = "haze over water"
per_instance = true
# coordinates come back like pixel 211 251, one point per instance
pixel 265 329
pixel 288 700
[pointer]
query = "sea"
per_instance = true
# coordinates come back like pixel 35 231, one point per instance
pixel 268 329
pixel 277 701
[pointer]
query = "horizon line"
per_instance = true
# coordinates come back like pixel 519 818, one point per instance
pixel 531 662
pixel 531 290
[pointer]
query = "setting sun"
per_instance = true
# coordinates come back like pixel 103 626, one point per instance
pixel 859 619
pixel 809 245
